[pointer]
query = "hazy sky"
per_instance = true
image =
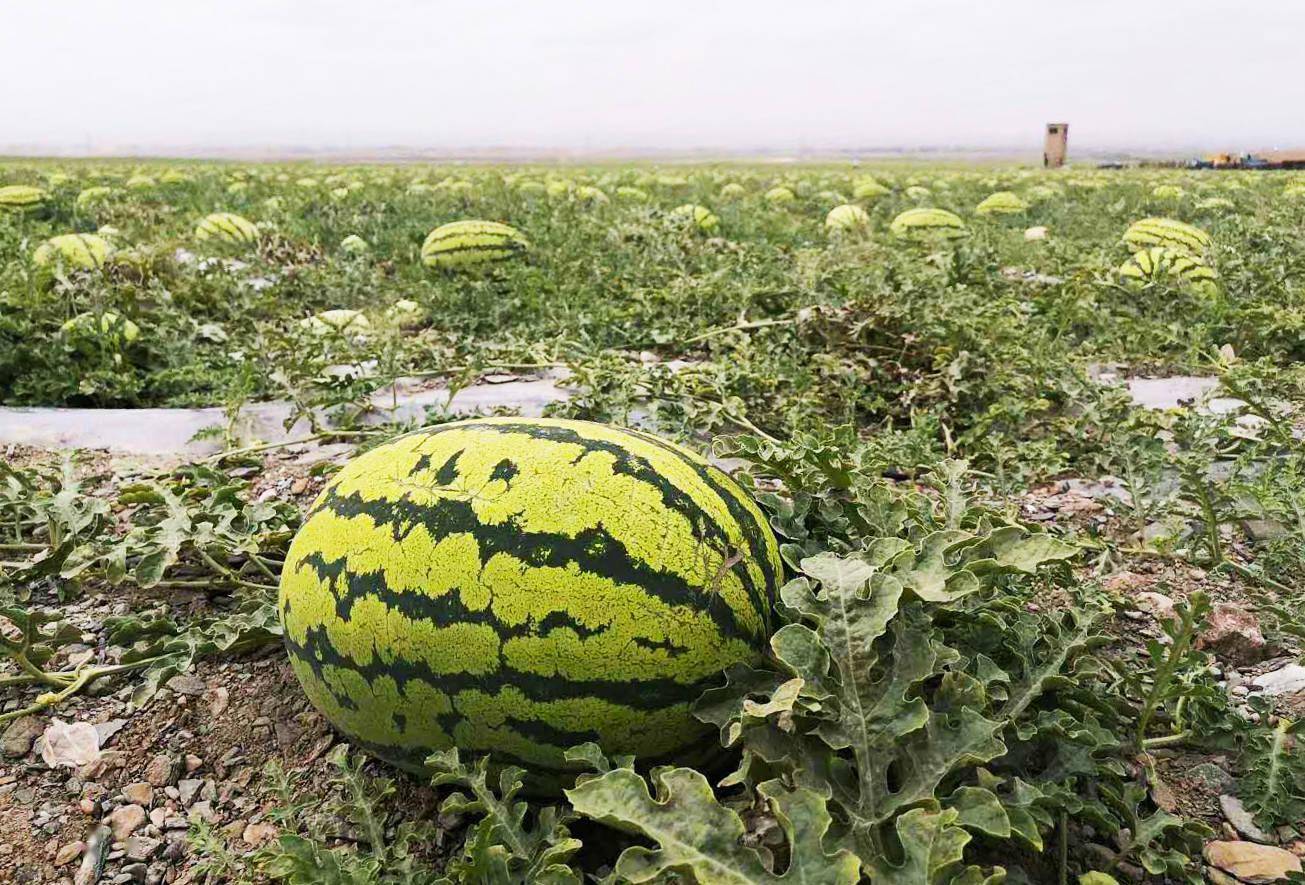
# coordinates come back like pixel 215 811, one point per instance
pixel 610 73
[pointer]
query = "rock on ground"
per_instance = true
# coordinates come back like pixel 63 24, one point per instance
pixel 1252 862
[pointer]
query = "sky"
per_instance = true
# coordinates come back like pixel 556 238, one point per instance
pixel 595 75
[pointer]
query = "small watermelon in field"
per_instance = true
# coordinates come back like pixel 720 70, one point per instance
pixel 21 198
pixel 847 218
pixel 93 196
pixel 81 251
pixel 632 194
pixel 1177 236
pixel 586 193
pixel 227 227
pixel 693 215
pixel 927 223
pixel 466 245
pixel 779 196
pixel 1001 203
pixel 85 333
pixel 733 191
pixel 339 320
pixel 868 189
pixel 354 245
pixel 520 586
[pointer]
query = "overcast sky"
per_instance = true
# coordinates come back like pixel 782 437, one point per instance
pixel 596 74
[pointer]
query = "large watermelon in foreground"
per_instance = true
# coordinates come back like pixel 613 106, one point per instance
pixel 521 586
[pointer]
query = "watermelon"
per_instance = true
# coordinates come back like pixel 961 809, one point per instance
pixel 779 195
pixel 354 245
pixel 227 227
pixel 84 251
pixel 632 194
pixel 93 196
pixel 84 330
pixel 1001 203
pixel 927 222
pixel 1162 265
pixel 586 193
pixel 693 215
pixel 868 189
pixel 732 191
pixel 847 218
pixel 339 320
pixel 21 198
pixel 521 586
pixel 463 245
pixel 1173 235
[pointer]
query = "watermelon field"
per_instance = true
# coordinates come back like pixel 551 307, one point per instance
pixel 907 523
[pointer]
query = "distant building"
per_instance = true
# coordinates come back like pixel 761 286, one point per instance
pixel 1056 146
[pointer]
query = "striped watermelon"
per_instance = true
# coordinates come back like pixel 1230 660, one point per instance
pixel 847 218
pixel 21 198
pixel 691 214
pixel 520 586
pixel 927 222
pixel 93 196
pixel 779 195
pixel 632 194
pixel 1176 236
pixel 227 227
pixel 1001 203
pixel 85 251
pixel 868 189
pixel 1161 265
pixel 463 245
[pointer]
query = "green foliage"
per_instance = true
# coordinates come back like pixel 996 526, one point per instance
pixel 698 836
pixel 1273 786
pixel 502 847
pixel 363 804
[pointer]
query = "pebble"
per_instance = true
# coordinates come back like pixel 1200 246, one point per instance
pixel 125 820
pixel 20 735
pixel 187 789
pixel 69 853
pixel 193 763
pixel 159 771
pixel 1251 862
pixel 1241 819
pixel 141 793
pixel 187 684
pixel 142 847
pixel 258 833
pixel 203 810
pixel 1285 680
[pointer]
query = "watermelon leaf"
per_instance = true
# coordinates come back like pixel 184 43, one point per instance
pixel 503 846
pixel 697 835
pixel 933 846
